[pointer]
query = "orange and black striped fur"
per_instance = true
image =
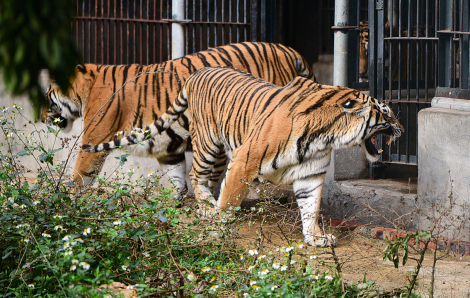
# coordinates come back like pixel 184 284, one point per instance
pixel 281 134
pixel 120 98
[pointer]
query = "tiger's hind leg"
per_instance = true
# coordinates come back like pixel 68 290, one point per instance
pixel 175 168
pixel 308 195
pixel 218 169
pixel 205 159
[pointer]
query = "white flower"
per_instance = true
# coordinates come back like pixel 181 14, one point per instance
pixel 68 253
pixel 119 133
pixel 124 267
pixel 25 240
pixel 301 245
pixel 73 242
pixel 131 170
pixel 262 257
pixel 11 200
pixel 84 265
pixel 67 245
pixel 246 295
pixel 67 237
pixel 206 269
pixel 46 235
pixel 241 257
pixel 57 216
pixel 107 296
pixel 86 231
pixel 312 257
pixel 276 265
pixel 23 206
pixel 117 222
pixel 56 120
pixel 130 287
pixel 292 262
pixel 150 174
pixel 283 268
pixel 214 288
pixel 58 227
pixel 31 286
pixel 289 248
pixel 313 276
pixel 328 277
pixel 74 261
pixel 253 252
pixel 273 288
pixel 80 240
pixel 5 109
pixel 263 272
pixel 35 202
pixel 253 282
pixel 251 268
pixel 73 267
pixel 191 276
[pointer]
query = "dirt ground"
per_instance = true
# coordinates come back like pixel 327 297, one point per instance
pixel 361 255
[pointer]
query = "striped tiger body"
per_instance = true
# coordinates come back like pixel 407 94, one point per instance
pixel 119 98
pixel 281 134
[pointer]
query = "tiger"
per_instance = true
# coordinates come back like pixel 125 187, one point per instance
pixel 278 134
pixel 397 57
pixel 114 100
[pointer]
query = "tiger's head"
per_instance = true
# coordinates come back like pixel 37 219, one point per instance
pixel 64 108
pixel 357 118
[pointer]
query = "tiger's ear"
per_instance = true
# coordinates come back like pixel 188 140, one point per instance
pixel 81 68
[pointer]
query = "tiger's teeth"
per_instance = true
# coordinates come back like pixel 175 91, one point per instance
pixel 380 150
pixel 390 139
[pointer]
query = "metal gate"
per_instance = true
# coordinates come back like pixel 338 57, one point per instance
pixel 139 31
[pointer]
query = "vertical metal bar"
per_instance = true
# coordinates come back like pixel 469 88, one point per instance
pixel 380 54
pixel 445 43
pixel 230 20
pixel 426 54
pixel 263 20
pixel 340 59
pixel 464 46
pixel 194 26
pixel 254 19
pixel 245 13
pixel 147 27
pixel 372 50
pixel 238 20
pixel 223 20
pixel 177 30
pixel 89 31
pixel 115 33
pixel 208 25
pixel 102 33
pixel 95 23
pixel 200 26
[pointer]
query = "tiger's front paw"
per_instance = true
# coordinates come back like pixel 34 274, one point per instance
pixel 322 241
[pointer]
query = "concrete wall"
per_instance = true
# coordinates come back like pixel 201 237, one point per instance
pixel 444 165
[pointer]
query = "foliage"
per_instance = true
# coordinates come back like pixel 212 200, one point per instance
pixel 57 240
pixel 35 35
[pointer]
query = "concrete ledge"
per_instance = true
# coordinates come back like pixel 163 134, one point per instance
pixel 451 103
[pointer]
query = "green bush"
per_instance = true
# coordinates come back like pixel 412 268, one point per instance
pixel 57 240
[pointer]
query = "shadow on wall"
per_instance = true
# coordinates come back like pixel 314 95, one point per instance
pixel 323 69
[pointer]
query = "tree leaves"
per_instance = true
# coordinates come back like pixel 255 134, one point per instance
pixel 36 35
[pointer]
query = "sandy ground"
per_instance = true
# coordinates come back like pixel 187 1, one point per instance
pixel 361 255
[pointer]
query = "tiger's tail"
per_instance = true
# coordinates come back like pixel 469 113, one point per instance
pixel 178 107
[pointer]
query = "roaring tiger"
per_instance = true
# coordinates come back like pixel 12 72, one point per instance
pixel 115 99
pixel 280 134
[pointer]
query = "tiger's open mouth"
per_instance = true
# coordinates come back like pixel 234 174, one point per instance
pixel 371 142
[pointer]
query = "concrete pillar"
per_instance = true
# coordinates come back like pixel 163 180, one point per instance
pixel 177 29
pixel 340 67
